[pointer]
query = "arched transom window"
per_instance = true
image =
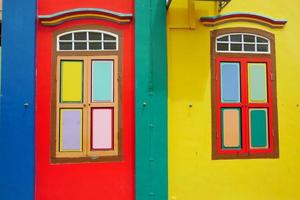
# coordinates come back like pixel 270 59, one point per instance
pixel 87 40
pixel 242 43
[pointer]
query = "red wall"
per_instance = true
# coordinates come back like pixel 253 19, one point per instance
pixel 105 181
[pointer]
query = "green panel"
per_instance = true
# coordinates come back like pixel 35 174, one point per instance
pixel 258 128
pixel 151 100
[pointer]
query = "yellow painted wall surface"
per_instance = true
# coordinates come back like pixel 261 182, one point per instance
pixel 193 174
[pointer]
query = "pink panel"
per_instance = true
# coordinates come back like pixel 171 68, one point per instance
pixel 102 128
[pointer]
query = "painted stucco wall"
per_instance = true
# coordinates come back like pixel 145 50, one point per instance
pixel 91 180
pixel 192 172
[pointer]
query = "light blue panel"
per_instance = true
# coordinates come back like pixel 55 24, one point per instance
pixel 230 82
pixel 102 80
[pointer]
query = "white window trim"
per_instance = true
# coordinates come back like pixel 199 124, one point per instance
pixel 102 41
pixel 242 43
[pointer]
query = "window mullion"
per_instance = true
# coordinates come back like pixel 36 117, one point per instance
pixel 86 105
pixel 245 109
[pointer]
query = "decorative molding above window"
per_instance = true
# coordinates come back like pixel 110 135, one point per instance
pixel 242 43
pixel 84 13
pixel 87 40
pixel 245 17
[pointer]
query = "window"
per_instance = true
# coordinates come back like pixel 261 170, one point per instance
pixel 87 40
pixel 86 101
pixel 243 43
pixel 244 98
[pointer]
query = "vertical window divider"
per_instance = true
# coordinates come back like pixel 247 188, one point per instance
pixel 270 104
pixel 218 100
pixel 87 41
pixel 73 43
pixel 256 44
pixel 88 106
pixel 102 41
pixel 85 105
pixel 115 103
pixel 245 108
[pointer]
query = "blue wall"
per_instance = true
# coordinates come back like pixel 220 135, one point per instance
pixel 17 165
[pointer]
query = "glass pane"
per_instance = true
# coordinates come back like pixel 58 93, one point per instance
pixel 236 38
pixel 262 47
pixel 65 46
pixel 109 37
pixel 261 40
pixel 66 37
pixel 222 47
pixel 257 78
pixel 230 82
pixel 236 47
pixel 80 46
pixel 95 36
pixel 231 128
pixel 70 130
pixel 110 45
pixel 249 47
pixel 95 46
pixel 102 80
pixel 80 36
pixel 102 128
pixel 224 38
pixel 258 128
pixel 71 87
pixel 249 38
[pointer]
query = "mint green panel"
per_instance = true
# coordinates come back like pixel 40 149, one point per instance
pixel 258 128
pixel 257 77
pixel 102 80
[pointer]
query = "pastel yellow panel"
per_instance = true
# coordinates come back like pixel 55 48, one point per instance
pixel 71 81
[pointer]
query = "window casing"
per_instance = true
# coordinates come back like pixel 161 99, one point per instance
pixel 86 112
pixel 243 91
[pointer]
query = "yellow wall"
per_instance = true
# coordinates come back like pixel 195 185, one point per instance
pixel 193 174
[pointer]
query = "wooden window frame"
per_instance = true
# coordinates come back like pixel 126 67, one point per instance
pixel 88 155
pixel 269 58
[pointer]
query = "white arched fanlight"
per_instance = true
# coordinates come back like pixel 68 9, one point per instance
pixel 87 40
pixel 242 43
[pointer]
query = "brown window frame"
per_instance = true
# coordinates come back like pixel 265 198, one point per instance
pixel 214 56
pixel 116 154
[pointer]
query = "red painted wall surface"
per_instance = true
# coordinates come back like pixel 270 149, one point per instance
pixel 83 181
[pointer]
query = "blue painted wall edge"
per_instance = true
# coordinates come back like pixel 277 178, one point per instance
pixel 17 166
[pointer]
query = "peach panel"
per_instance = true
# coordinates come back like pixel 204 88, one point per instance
pixel 231 133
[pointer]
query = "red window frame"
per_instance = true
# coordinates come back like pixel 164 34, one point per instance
pixel 244 106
